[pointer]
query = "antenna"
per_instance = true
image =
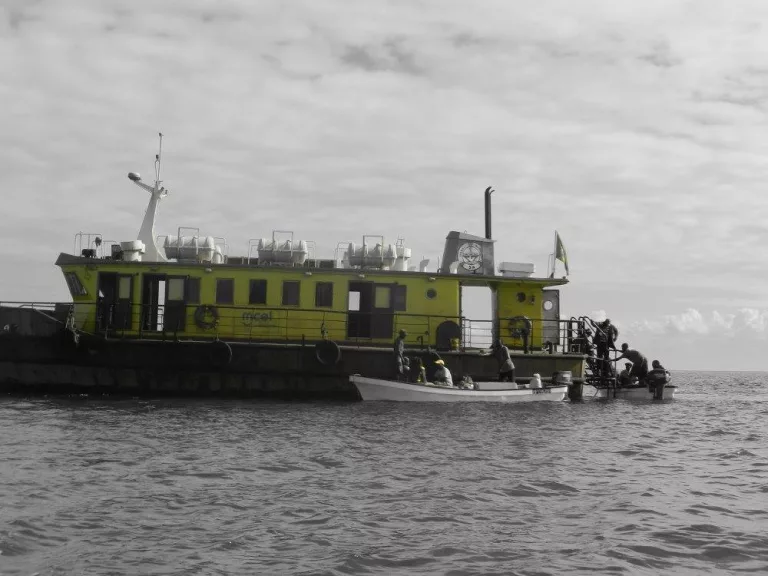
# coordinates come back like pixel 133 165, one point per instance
pixel 157 160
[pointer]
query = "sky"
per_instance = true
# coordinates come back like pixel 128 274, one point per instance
pixel 636 130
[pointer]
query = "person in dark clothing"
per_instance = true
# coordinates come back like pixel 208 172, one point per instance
pixel 401 362
pixel 525 333
pixel 658 387
pixel 431 364
pixel 506 367
pixel 605 341
pixel 625 379
pixel 639 362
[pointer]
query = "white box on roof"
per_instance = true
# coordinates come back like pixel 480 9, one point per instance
pixel 517 269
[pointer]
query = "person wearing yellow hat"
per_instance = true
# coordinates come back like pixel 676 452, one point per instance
pixel 442 374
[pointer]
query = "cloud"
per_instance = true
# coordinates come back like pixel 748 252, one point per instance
pixel 636 131
pixel 744 323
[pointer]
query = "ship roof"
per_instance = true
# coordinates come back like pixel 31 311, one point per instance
pixel 65 259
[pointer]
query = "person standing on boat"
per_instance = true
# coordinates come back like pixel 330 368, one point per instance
pixel 605 341
pixel 639 361
pixel 442 374
pixel 401 362
pixel 525 333
pixel 506 367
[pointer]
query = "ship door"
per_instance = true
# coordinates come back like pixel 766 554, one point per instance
pixel 175 305
pixel 359 308
pixel 107 299
pixel 123 319
pixel 114 302
pixel 152 302
pixel 550 317
pixel 382 317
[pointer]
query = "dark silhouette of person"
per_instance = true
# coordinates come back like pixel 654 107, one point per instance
pixel 639 362
pixel 506 367
pixel 605 341
pixel 525 333
pixel 401 362
pixel 431 364
pixel 625 379
pixel 658 391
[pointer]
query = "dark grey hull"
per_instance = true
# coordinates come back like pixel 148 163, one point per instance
pixel 39 356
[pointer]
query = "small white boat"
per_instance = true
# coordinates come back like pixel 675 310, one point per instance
pixel 377 389
pixel 635 392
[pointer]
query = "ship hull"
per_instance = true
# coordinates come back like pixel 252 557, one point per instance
pixel 42 357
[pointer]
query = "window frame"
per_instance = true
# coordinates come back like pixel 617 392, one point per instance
pixel 257 282
pixel 290 283
pixel 76 287
pixel 192 290
pixel 324 294
pixel 399 297
pixel 219 300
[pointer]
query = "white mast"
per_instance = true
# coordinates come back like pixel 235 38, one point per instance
pixel 157 192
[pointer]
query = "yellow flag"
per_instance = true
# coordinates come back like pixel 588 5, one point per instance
pixel 560 253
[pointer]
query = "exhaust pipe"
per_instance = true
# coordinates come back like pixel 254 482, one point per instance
pixel 488 192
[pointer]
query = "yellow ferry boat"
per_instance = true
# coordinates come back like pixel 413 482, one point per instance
pixel 177 314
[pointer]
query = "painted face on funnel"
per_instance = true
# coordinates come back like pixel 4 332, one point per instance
pixel 470 256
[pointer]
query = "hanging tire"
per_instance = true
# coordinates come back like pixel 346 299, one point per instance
pixel 206 317
pixel 327 353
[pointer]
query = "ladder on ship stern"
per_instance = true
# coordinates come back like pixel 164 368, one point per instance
pixel 599 373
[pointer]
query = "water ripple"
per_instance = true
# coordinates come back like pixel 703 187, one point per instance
pixel 113 486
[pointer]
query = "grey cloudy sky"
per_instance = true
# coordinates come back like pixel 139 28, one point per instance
pixel 637 130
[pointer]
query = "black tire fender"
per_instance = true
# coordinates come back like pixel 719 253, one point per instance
pixel 220 353
pixel 327 353
pixel 206 316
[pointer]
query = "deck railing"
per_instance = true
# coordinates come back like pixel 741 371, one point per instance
pixel 296 324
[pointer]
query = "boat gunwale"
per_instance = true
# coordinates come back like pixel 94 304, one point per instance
pixel 563 388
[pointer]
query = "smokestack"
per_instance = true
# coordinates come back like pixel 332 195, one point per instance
pixel 488 192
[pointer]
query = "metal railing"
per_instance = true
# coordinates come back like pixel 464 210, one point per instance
pixel 249 323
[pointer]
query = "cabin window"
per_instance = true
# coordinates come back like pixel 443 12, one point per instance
pixel 398 298
pixel 324 295
pixel 175 289
pixel 225 291
pixel 257 293
pixel 382 297
pixel 354 301
pixel 124 287
pixel 76 287
pixel 291 293
pixel 192 290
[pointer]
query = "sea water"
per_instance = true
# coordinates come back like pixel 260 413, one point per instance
pixel 93 485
